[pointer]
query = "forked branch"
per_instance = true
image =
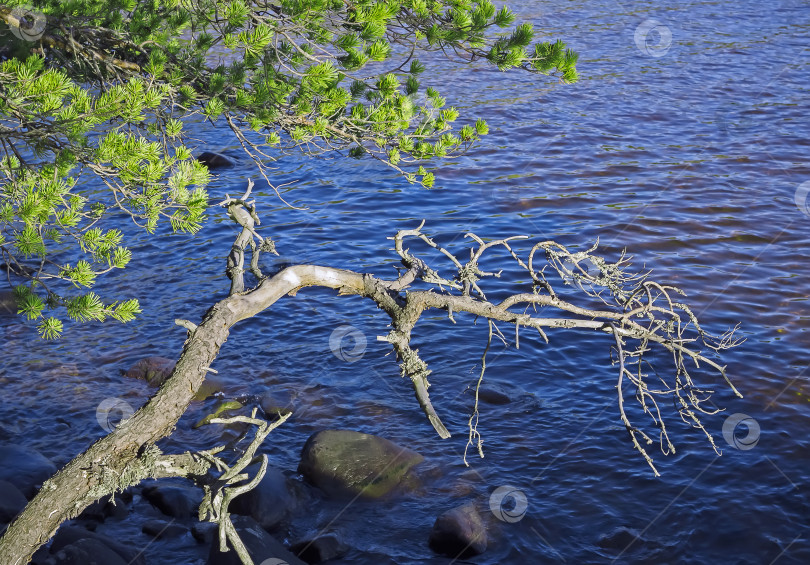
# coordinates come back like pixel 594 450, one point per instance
pixel 640 314
pixel 633 308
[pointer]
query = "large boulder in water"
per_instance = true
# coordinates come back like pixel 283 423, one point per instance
pixel 459 532
pixel 346 463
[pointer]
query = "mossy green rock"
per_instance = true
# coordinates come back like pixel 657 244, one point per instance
pixel 210 387
pixel 222 410
pixel 344 463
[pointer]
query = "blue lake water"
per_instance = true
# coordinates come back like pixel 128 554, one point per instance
pixel 689 148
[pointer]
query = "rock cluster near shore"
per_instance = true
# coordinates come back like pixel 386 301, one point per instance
pixel 335 466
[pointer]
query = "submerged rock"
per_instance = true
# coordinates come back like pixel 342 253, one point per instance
pixel 88 551
pixel 79 546
pixel 204 532
pixel 25 468
pixel 261 546
pixel 153 370
pixel 105 508
pixel 8 304
pixel 160 529
pixel 11 501
pixel 17 269
pixel 322 548
pixel 214 160
pixel 224 409
pixel 176 501
pixel 347 463
pixel 210 386
pixel 493 395
pixel 619 539
pixel 276 403
pixel 459 532
pixel 270 502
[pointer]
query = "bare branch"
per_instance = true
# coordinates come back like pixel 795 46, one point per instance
pixel 636 311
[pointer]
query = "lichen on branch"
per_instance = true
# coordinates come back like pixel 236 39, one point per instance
pixel 638 312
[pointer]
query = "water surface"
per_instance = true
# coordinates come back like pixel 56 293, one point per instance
pixel 689 156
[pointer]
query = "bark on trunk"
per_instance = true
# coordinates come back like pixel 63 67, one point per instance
pixel 127 455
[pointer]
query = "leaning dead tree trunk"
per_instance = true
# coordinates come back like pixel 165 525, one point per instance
pixel 635 310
